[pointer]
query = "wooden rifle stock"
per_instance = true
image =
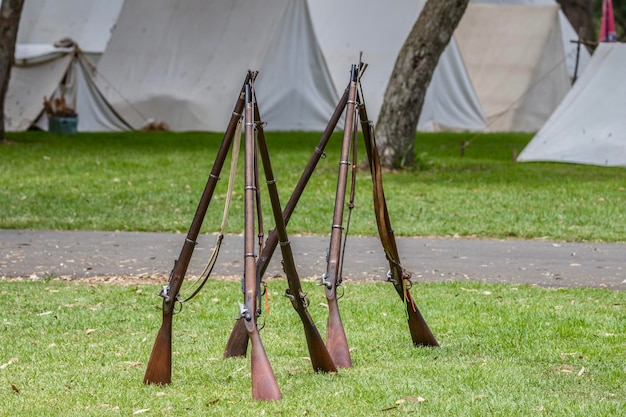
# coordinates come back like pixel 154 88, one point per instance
pixel 320 358
pixel 336 340
pixel 237 344
pixel 264 384
pixel 420 332
pixel 159 369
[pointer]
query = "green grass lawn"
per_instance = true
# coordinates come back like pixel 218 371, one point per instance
pixel 77 349
pixel 80 350
pixel 153 181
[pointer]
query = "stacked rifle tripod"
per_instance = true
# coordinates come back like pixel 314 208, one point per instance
pixel 325 357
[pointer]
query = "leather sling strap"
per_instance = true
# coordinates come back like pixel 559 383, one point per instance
pixel 229 194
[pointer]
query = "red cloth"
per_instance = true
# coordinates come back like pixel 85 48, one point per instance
pixel 607 27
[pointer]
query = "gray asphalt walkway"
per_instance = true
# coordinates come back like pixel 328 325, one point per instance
pixel 79 254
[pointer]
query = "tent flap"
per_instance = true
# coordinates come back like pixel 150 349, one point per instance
pixel 588 127
pixel 504 69
pixel 27 88
pixel 55 72
pixel 189 58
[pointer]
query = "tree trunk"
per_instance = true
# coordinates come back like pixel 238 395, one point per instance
pixel 10 12
pixel 579 14
pixel 413 70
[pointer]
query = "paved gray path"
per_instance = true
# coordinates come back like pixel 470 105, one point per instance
pixel 80 254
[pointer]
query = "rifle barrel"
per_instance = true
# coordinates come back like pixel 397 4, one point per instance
pixel 237 344
pixel 336 339
pixel 264 384
pixel 421 334
pixel 320 357
pixel 159 369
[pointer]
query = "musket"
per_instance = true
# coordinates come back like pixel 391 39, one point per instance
pixel 336 339
pixel 320 357
pixel 400 277
pixel 264 384
pixel 159 369
pixel 237 344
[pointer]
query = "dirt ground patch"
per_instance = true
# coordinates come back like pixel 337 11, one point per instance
pixel 118 279
pixel 155 279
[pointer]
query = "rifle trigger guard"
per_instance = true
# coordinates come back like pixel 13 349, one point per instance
pixel 343 291
pixel 304 299
pixel 407 282
pixel 180 305
pixel 289 295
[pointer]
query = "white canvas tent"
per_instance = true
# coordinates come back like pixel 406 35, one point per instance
pixel 576 58
pixel 518 81
pixel 515 59
pixel 48 71
pixel 44 70
pixel 183 62
pixel 589 126
pixel 378 29
pixel 87 22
